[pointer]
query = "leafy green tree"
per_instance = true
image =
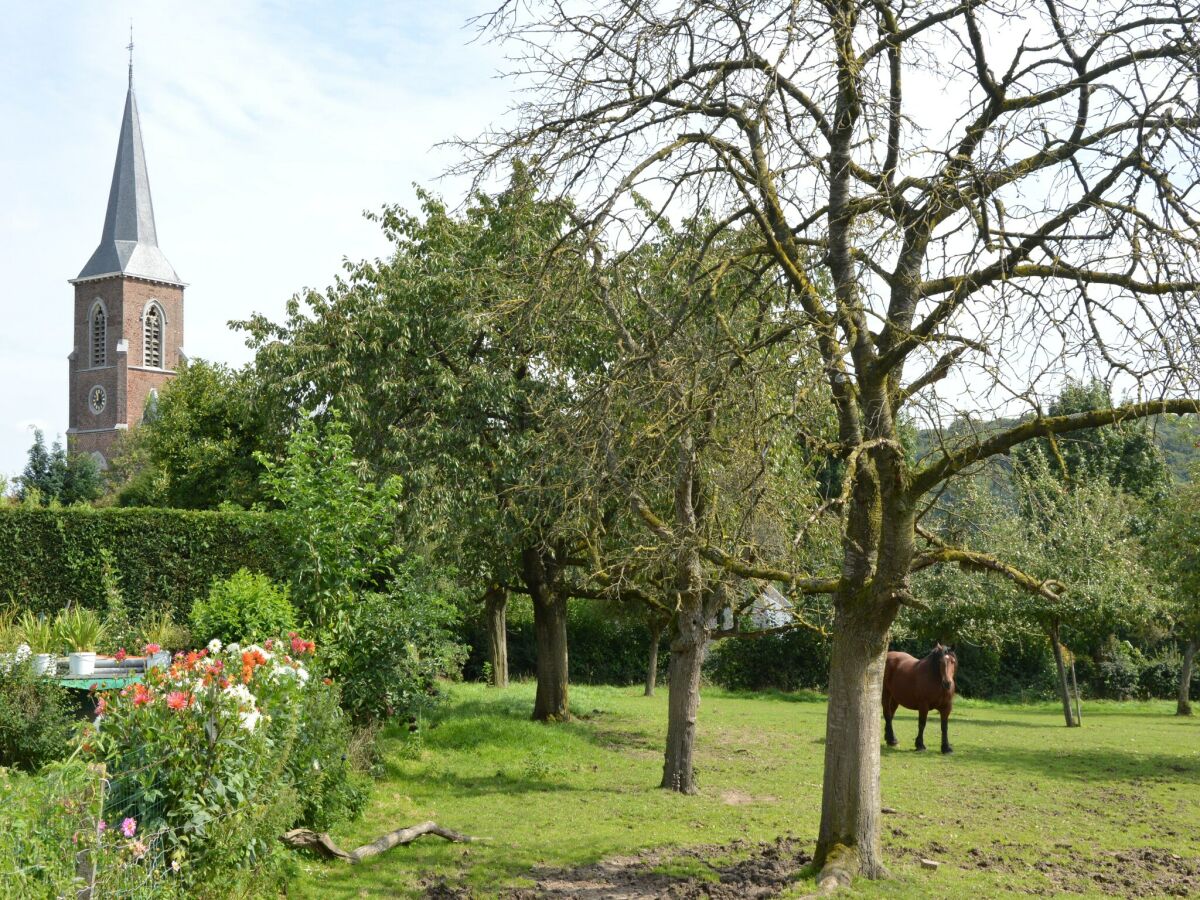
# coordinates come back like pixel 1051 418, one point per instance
pixel 196 445
pixel 56 476
pixel 1176 542
pixel 431 383
pixel 1125 455
pixel 342 525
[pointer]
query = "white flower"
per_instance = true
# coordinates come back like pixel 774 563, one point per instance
pixel 241 695
pixel 214 646
pixel 23 653
pixel 234 648
pixel 249 719
pixel 316 766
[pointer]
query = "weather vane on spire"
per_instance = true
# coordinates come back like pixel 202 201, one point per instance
pixel 130 49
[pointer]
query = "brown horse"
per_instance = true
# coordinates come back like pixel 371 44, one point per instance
pixel 922 685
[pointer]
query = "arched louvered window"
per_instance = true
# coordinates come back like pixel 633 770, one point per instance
pixel 99 344
pixel 152 337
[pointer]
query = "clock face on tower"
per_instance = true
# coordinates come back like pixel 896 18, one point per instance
pixel 97 399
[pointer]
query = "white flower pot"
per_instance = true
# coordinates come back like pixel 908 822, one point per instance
pixel 80 665
pixel 43 664
pixel 159 660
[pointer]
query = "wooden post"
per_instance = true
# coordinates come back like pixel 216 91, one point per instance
pixel 1075 688
pixel 88 854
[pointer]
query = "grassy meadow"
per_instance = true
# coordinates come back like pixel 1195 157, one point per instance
pixel 1024 805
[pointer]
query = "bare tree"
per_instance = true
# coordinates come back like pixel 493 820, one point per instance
pixel 970 200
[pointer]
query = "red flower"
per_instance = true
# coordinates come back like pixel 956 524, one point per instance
pixel 141 695
pixel 150 649
pixel 178 700
pixel 121 654
pixel 301 646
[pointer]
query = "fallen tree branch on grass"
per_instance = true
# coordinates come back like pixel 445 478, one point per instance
pixel 322 844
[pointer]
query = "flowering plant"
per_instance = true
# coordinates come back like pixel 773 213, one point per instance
pixel 192 749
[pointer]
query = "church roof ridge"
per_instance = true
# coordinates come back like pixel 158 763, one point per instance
pixel 129 243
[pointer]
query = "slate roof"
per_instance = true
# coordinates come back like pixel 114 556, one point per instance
pixel 129 244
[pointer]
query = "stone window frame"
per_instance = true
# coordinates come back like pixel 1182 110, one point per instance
pixel 97 342
pixel 149 359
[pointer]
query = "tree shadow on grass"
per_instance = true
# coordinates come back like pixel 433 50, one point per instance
pixel 1091 764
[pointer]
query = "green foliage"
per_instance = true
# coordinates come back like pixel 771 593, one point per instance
pixel 1118 670
pixel 416 355
pixel 1126 456
pixel 341 526
pixel 392 648
pixel 787 662
pixel 80 629
pixel 42 817
pixel 321 766
pixel 246 607
pixel 55 476
pixel 36 723
pixel 160 628
pixel 164 559
pixel 38 632
pixel 195 449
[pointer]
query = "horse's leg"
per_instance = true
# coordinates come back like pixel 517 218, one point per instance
pixel 946 748
pixel 889 711
pixel 922 715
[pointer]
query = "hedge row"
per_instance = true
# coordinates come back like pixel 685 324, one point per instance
pixel 162 558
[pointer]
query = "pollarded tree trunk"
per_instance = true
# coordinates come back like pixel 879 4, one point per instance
pixel 1184 706
pixel 849 839
pixel 683 697
pixel 656 629
pixel 1064 692
pixel 550 629
pixel 495 603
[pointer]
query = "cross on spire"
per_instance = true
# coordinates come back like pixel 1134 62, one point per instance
pixel 129 47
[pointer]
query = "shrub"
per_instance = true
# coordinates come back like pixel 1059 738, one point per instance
pixel 392 649
pixel 1117 670
pixel 35 718
pixel 322 767
pixel 797 659
pixel 243 607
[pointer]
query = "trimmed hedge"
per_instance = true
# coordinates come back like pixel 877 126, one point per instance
pixel 164 559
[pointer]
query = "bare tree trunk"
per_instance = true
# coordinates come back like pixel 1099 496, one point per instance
pixel 550 628
pixel 683 698
pixel 495 603
pixel 1184 706
pixel 656 629
pixel 849 840
pixel 1064 692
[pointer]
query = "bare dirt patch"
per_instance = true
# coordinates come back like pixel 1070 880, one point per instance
pixel 1144 872
pixel 743 869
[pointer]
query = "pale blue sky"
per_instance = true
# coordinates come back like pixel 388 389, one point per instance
pixel 269 127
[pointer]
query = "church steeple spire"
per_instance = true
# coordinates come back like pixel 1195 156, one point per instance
pixel 129 243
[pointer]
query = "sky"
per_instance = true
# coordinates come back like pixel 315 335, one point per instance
pixel 269 128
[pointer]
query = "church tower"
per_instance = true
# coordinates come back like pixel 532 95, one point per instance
pixel 128 308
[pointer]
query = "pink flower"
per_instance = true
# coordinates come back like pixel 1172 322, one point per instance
pixel 138 849
pixel 178 700
pixel 129 827
pixel 101 705
pixel 121 654
pixel 151 649
pixel 101 827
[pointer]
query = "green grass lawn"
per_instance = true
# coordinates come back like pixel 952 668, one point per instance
pixel 1023 806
